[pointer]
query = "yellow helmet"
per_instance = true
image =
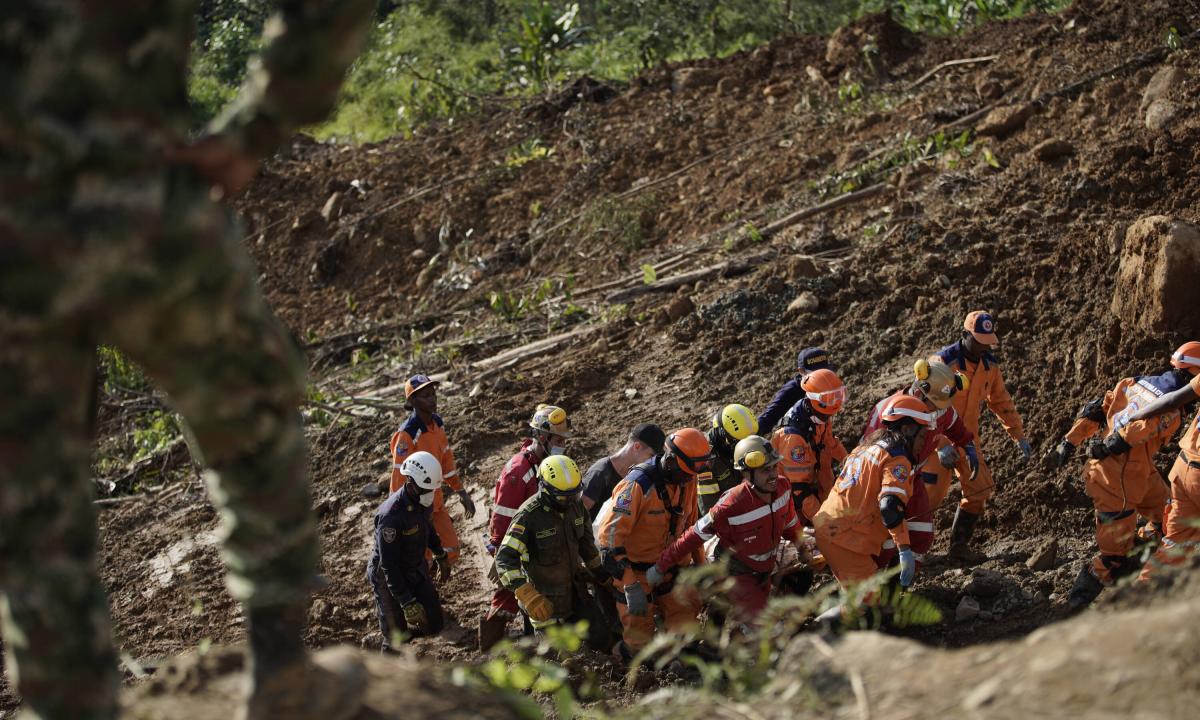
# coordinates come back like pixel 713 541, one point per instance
pixel 560 476
pixel 937 382
pixel 737 421
pixel 551 419
pixel 754 452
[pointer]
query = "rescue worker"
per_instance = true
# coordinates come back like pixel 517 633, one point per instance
pixel 652 507
pixel 109 233
pixel 867 504
pixel 972 357
pixel 518 482
pixel 405 597
pixel 1120 475
pixel 1181 523
pixel 730 425
pixel 806 444
pixel 547 550
pixel 749 522
pixel 644 442
pixel 424 430
pixel 807 360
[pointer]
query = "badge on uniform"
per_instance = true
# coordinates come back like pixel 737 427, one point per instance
pixel 625 498
pixel 401 448
pixel 797 454
pixel 389 534
pixel 899 472
pixel 548 532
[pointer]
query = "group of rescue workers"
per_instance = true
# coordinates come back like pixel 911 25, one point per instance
pixel 608 545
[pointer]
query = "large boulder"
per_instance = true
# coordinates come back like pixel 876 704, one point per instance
pixel 1156 287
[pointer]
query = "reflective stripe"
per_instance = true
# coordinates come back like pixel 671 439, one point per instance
pixel 396 466
pixel 792 524
pixel 450 474
pixel 760 512
pixel 528 475
pixel 704 527
pixel 450 548
pixel 1185 358
pixel 920 526
pixel 764 556
pixel 707 489
pixel 505 511
pixel 515 544
pixel 889 544
pixel 508 575
pixel 893 490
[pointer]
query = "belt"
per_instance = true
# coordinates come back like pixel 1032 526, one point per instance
pixel 643 566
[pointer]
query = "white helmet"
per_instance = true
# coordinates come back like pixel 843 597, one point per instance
pixel 424 470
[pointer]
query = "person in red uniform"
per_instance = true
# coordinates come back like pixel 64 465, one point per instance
pixel 424 430
pixel 1120 475
pixel 749 521
pixel 805 442
pixel 551 428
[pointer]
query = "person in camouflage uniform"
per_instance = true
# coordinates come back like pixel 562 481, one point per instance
pixel 108 234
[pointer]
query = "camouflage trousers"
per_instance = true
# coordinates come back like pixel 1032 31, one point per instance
pixel 146 263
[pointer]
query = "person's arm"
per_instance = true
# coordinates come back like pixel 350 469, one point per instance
pixel 512 555
pixel 686 544
pixel 957 431
pixel 509 496
pixel 1002 406
pixel 401 446
pixel 894 493
pixel 450 469
pixel 587 542
pixel 784 398
pixel 614 530
pixel 390 541
pixel 1090 420
pixel 1170 401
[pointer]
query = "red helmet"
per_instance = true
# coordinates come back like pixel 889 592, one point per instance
pixel 1187 357
pixel 907 406
pixel 691 449
pixel 824 389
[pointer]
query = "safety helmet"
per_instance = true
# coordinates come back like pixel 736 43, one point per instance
pixel 736 420
pixel 1187 357
pixel 754 452
pixel 559 475
pixel 415 383
pixel 423 469
pixel 551 419
pixel 691 450
pixel 824 390
pixel 937 382
pixel 907 406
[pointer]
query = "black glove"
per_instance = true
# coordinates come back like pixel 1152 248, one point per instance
pixel 600 576
pixel 467 503
pixel 1062 452
pixel 1098 451
pixel 441 567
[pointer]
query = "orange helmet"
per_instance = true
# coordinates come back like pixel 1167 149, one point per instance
pixel 691 449
pixel 1187 357
pixel 824 389
pixel 907 406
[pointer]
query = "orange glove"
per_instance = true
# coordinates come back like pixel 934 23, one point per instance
pixel 539 608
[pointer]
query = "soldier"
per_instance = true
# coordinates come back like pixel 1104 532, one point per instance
pixel 730 425
pixel 110 236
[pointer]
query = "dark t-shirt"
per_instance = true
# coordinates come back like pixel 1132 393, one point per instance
pixel 599 482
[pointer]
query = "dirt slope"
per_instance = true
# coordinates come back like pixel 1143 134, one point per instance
pixel 584 188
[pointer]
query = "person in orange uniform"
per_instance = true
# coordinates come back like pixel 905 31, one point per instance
pixel 972 357
pixel 805 442
pixel 423 430
pixel 867 505
pixel 1181 524
pixel 1120 475
pixel 652 507
pixel 518 482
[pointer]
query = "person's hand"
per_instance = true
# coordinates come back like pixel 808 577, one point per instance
pixel 972 459
pixel 635 599
pixel 947 456
pixel 1062 452
pixel 1026 448
pixel 414 615
pixel 214 158
pixel 467 503
pixel 1098 451
pixel 539 608
pixel 654 577
pixel 908 567
pixel 441 566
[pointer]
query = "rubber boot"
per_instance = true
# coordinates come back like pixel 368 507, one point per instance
pixel 960 537
pixel 492 630
pixel 1086 589
pixel 286 684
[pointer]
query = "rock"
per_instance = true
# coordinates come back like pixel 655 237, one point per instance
pixel 805 302
pixel 1004 121
pixel 778 89
pixel 1045 558
pixel 694 77
pixel 1165 80
pixel 1053 149
pixel 630 393
pixel 320 609
pixel 727 85
pixel 420 254
pixel 1156 288
pixel 985 615
pixel 352 511
pixel 371 490
pixel 1161 115
pixel 985 583
pixel 680 307
pixel 1116 237
pixel 802 267
pixel 968 609
pixel 333 207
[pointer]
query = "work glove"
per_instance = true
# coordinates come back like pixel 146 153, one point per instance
pixel 1098 451
pixel 467 503
pixel 1026 448
pixel 599 575
pixel 908 567
pixel 947 456
pixel 539 608
pixel 414 615
pixel 441 566
pixel 1062 452
pixel 654 577
pixel 972 459
pixel 489 546
pixel 635 599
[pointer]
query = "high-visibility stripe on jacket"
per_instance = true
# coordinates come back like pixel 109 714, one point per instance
pixel 412 436
pixel 518 482
pixel 986 386
pixel 851 513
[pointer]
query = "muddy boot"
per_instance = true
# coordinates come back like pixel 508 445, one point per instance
pixel 492 630
pixel 960 538
pixel 286 684
pixel 1086 589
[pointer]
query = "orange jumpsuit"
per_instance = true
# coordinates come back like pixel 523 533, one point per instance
pixel 986 386
pixel 411 437
pixel 809 449
pixel 1181 531
pixel 1126 484
pixel 639 527
pixel 849 526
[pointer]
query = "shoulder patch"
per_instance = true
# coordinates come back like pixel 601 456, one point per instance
pixel 899 472
pixel 389 534
pixel 410 531
pixel 548 532
pixel 579 521
pixel 516 527
pixel 798 453
pixel 625 498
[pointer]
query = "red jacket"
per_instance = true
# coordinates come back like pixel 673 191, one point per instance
pixel 518 482
pixel 748 527
pixel 949 423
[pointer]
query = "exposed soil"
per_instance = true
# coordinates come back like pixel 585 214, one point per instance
pixel 399 279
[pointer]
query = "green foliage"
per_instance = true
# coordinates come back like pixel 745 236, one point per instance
pixel 1171 39
pixel 912 150
pixel 119 372
pixel 952 16
pixel 542 34
pixel 531 149
pixel 649 274
pixel 627 222
pixel 154 431
pixel 513 306
pixel 228 33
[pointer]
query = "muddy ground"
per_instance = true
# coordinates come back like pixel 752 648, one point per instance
pixel 384 260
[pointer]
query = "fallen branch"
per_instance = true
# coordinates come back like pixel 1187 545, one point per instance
pixel 726 268
pixel 517 354
pixel 949 63
pixel 839 201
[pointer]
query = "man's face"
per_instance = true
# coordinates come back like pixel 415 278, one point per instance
pixel 764 479
pixel 640 452
pixel 425 399
pixel 973 347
